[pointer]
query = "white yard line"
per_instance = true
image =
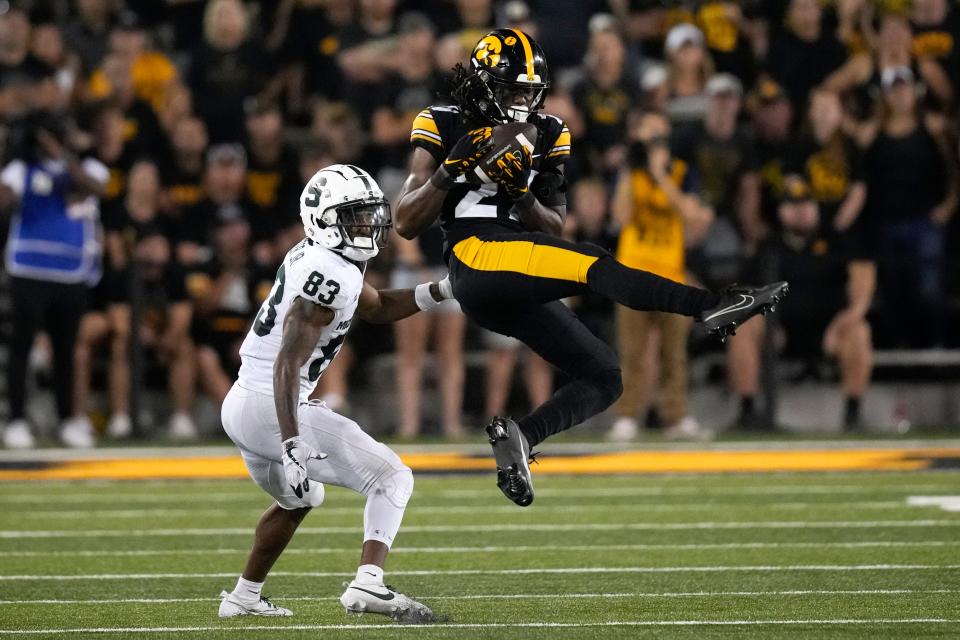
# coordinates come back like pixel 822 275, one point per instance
pixel 763 490
pixel 530 596
pixel 519 625
pixel 860 544
pixel 453 572
pixel 560 448
pixel 640 526
pixel 643 488
pixel 206 512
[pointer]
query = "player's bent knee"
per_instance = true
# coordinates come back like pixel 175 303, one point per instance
pixel 395 485
pixel 610 383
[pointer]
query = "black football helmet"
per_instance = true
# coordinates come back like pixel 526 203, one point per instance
pixel 507 79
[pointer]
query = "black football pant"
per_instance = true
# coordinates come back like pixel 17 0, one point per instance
pixel 513 283
pixel 55 308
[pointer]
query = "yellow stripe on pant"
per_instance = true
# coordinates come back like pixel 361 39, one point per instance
pixel 521 256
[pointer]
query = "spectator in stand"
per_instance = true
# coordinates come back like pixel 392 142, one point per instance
pixel 152 74
pixel 141 128
pixel 309 43
pixel 831 289
pixel 399 98
pixel 125 221
pixel 224 186
pixel 47 48
pixel 164 329
pixel 723 25
pixel 272 178
pixel 340 127
pixel 52 256
pixel 226 68
pixel 911 195
pixel 473 18
pixel 421 260
pixel 226 290
pixel 367 48
pixel 894 48
pixel 720 152
pixel 680 86
pixel 111 148
pixel 604 97
pixel 17 70
pixel 936 25
pixel 772 121
pixel 660 215
pixel 87 33
pixel 177 105
pixel 183 174
pixel 805 54
pixel 827 160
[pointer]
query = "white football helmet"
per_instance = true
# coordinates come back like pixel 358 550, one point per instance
pixel 343 209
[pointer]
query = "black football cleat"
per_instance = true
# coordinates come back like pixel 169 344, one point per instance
pixel 512 453
pixel 738 304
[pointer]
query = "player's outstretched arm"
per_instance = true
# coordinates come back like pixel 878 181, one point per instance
pixel 390 305
pixel 301 331
pixel 420 198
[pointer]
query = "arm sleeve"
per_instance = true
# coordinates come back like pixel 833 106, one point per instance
pixel 426 134
pixel 559 151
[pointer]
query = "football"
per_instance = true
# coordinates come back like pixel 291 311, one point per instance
pixel 506 138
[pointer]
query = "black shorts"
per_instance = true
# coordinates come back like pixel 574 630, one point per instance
pixel 512 284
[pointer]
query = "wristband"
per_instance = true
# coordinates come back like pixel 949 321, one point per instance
pixel 446 288
pixel 424 299
pixel 441 179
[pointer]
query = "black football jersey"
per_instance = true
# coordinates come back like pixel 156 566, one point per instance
pixel 483 209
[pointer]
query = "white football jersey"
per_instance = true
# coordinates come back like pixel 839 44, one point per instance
pixel 319 275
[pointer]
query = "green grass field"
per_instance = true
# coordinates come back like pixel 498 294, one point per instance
pixel 686 556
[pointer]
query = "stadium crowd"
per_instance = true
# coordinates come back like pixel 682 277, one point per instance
pixel 806 140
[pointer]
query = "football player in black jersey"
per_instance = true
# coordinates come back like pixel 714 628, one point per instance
pixel 508 265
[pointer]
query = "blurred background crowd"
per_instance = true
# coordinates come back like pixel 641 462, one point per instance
pixel 713 142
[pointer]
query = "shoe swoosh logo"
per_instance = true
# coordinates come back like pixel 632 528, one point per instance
pixel 745 301
pixel 388 596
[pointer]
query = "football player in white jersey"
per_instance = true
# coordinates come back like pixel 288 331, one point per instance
pixel 292 446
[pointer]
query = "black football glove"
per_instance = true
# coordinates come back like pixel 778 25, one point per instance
pixel 463 157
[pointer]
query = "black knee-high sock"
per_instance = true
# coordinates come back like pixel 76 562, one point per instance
pixel 644 291
pixel 572 403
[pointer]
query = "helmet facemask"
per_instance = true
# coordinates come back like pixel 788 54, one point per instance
pixel 517 100
pixel 360 226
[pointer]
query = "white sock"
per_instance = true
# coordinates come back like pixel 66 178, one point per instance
pixel 370 574
pixel 247 590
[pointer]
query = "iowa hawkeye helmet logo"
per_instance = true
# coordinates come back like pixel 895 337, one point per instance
pixel 487 51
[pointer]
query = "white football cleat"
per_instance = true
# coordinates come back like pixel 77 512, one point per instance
pixel 119 426
pixel 182 427
pixel 231 607
pixel 361 597
pixel 687 428
pixel 623 430
pixel 17 435
pixel 77 433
